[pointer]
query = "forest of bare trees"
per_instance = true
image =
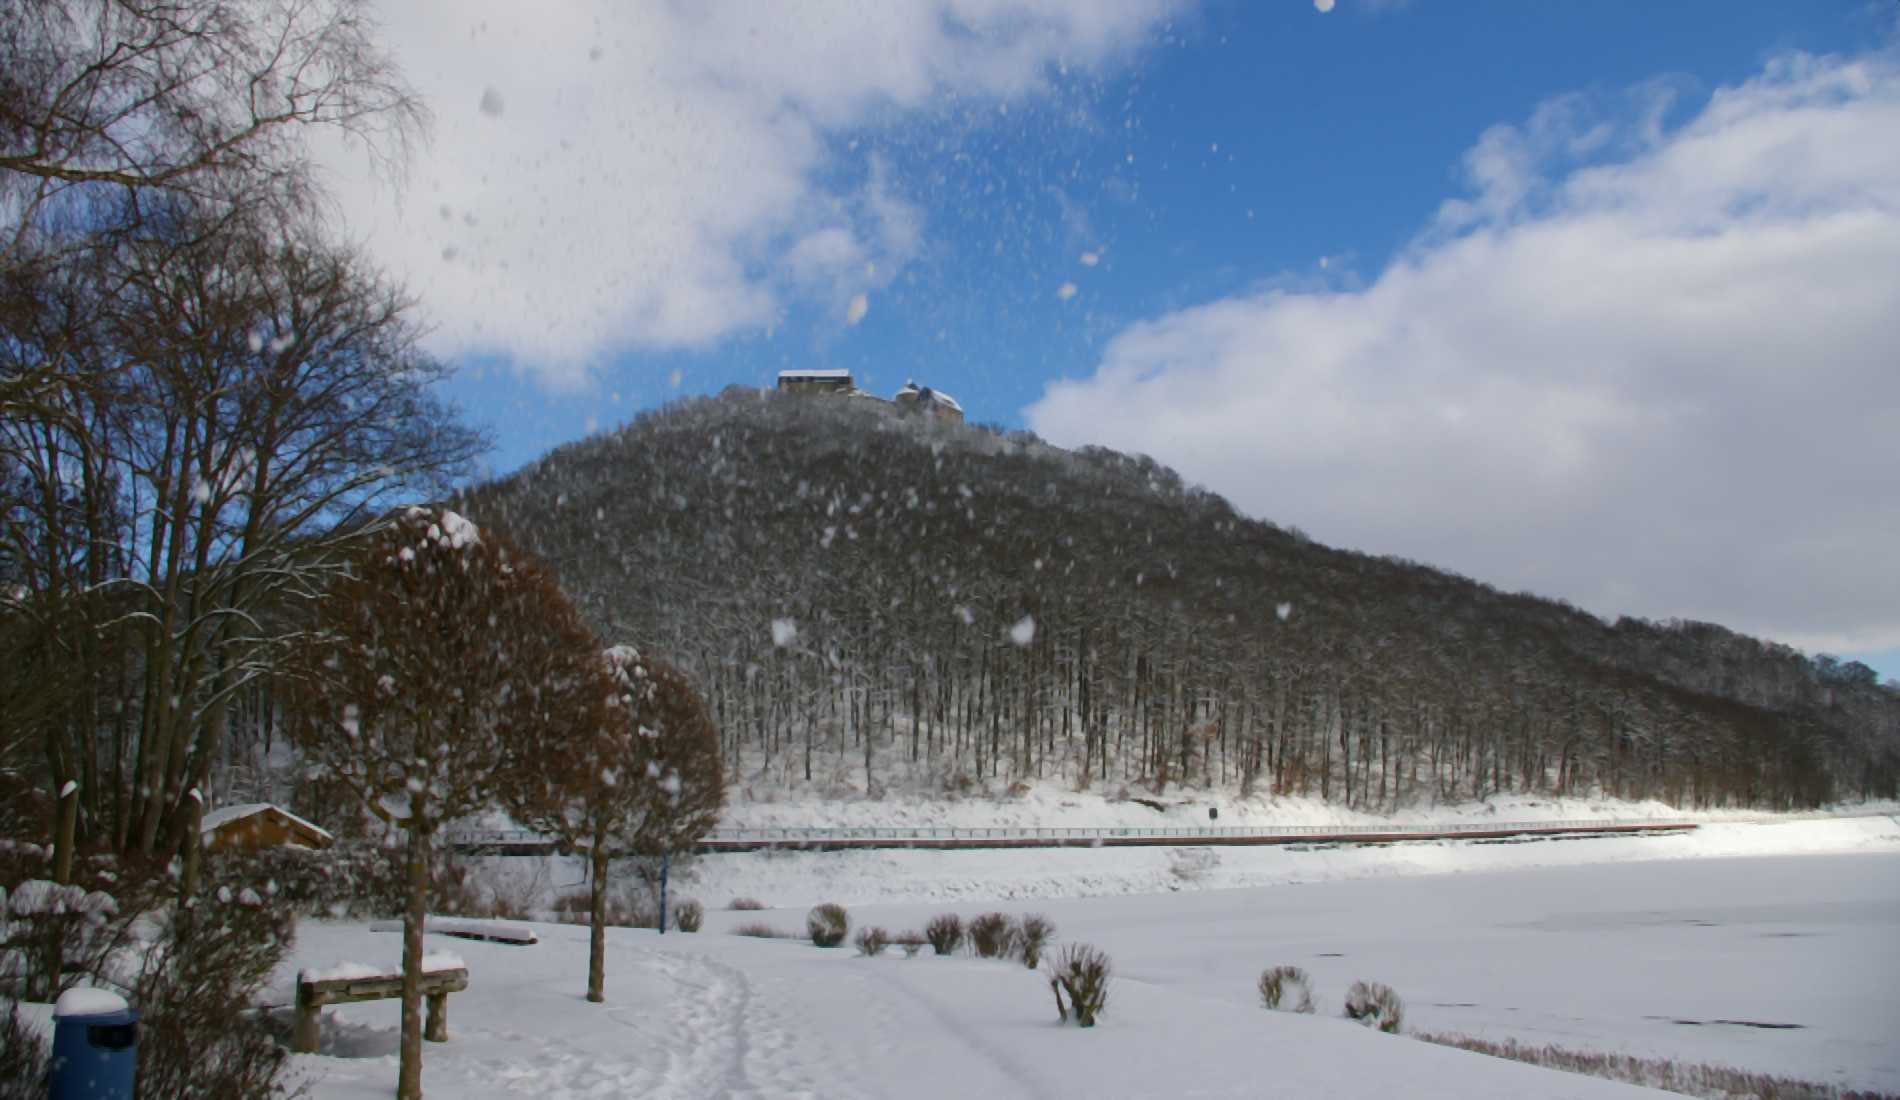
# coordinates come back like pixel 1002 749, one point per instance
pixel 868 600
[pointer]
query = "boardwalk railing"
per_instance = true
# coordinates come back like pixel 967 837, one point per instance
pixel 1040 832
pixel 739 840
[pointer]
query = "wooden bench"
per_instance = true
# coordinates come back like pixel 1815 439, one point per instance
pixel 313 994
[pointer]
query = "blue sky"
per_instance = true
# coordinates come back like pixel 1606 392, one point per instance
pixel 1062 211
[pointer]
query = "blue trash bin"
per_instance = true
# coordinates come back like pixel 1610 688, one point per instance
pixel 95 1046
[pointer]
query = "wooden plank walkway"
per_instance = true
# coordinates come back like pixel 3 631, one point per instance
pixel 846 839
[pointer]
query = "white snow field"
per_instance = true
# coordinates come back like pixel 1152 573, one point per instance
pixel 1639 949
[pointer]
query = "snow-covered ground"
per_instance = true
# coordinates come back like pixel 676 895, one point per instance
pixel 796 879
pixel 1641 945
pixel 1048 804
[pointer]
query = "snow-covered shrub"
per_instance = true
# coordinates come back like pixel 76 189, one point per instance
pixel 688 915
pixel 201 977
pixel 911 942
pixel 56 934
pixel 739 905
pixel 195 970
pixel 23 1059
pixel 1286 987
pixel 945 933
pixel 623 910
pixel 1082 972
pixel 1375 1005
pixel 872 941
pixel 1191 865
pixel 351 879
pixel 1032 934
pixel 827 924
pixel 512 897
pixel 762 931
pixel 992 935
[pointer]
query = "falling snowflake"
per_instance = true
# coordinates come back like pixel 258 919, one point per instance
pixel 784 632
pixel 1024 631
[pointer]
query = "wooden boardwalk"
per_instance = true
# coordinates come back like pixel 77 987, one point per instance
pixel 523 843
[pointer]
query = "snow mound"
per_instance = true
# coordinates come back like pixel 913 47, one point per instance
pixel 87 1001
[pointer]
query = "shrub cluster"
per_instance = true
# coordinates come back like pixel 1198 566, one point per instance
pixel 58 933
pixel 872 941
pixel 688 915
pixel 1288 987
pixel 827 924
pixel 622 911
pixel 911 942
pixel 24 1058
pixel 194 967
pixel 1032 934
pixel 745 904
pixel 1375 1005
pixel 355 880
pixel 945 933
pixel 1082 972
pixel 992 935
pixel 201 976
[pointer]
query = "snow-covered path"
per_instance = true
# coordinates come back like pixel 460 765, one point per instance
pixel 715 1016
pixel 1605 958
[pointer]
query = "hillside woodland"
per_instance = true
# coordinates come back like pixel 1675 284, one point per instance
pixel 868 599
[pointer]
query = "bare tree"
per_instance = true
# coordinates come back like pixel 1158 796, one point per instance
pixel 445 654
pixel 167 319
pixel 107 104
pixel 651 783
pixel 216 434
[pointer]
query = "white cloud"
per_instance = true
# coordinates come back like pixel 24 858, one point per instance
pixel 1650 370
pixel 610 176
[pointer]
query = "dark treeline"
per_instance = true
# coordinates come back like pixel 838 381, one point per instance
pixel 870 599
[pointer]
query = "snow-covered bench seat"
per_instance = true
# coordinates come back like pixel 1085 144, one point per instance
pixel 349 982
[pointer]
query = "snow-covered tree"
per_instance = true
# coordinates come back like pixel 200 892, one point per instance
pixel 651 784
pixel 445 655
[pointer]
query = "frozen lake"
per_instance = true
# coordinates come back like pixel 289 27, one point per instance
pixel 1684 959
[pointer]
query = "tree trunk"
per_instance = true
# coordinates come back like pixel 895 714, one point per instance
pixel 597 914
pixel 409 1072
pixel 66 826
pixel 193 843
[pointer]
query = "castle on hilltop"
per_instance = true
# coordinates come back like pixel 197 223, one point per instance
pixel 912 398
